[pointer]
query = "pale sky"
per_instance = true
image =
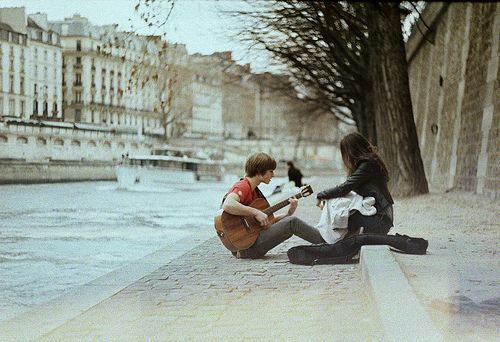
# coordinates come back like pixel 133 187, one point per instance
pixel 196 23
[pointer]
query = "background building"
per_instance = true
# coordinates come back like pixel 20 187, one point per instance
pixel 74 94
pixel 15 65
pixel 45 71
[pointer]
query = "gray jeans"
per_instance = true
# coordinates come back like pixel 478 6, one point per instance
pixel 279 232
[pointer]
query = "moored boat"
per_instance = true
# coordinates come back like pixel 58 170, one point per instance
pixel 168 165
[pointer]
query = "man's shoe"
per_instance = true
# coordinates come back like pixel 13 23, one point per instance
pixel 242 255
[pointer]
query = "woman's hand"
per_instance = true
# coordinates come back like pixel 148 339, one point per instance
pixel 293 205
pixel 320 203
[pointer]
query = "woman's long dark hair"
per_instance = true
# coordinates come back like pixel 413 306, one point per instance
pixel 356 148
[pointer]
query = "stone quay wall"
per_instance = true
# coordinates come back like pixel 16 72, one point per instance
pixel 43 152
pixel 21 172
pixel 453 73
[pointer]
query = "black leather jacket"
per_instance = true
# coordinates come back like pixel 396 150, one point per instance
pixel 367 180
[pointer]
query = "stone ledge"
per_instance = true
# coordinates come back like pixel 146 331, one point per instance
pixel 403 317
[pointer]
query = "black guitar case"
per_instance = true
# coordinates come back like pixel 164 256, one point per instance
pixel 342 251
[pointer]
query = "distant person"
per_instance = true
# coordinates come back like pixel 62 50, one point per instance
pixel 294 174
pixel 367 176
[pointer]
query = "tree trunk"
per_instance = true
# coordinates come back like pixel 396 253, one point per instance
pixel 369 127
pixel 395 127
pixel 362 110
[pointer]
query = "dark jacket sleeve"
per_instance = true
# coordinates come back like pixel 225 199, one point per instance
pixel 362 174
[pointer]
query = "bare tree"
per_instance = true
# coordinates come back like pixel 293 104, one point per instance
pixel 322 44
pixel 157 68
pixel 351 55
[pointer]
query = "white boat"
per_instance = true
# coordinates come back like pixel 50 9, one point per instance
pixel 167 165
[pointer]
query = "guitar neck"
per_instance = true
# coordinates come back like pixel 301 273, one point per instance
pixel 280 205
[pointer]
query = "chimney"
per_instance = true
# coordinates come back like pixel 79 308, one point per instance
pixel 15 17
pixel 40 19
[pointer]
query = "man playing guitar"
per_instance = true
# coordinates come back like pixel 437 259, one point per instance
pixel 259 168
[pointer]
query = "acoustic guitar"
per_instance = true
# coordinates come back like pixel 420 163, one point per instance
pixel 240 232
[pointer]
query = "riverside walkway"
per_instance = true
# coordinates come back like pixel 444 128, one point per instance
pixel 196 290
pixel 208 295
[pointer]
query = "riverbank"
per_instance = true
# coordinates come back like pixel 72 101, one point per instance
pixel 20 171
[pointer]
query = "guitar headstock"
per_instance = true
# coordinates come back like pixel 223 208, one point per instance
pixel 306 190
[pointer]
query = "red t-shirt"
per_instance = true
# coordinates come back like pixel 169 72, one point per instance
pixel 244 191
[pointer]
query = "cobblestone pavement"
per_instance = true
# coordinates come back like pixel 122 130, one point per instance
pixel 209 295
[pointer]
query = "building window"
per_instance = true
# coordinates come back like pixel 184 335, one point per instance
pixel 78 114
pixel 78 45
pixel 35 107
pixel 23 107
pixel 12 107
pixel 11 84
pixel 54 108
pixel 78 80
pixel 78 96
pixel 21 85
pixel 45 108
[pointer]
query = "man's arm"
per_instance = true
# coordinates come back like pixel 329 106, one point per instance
pixel 293 205
pixel 233 206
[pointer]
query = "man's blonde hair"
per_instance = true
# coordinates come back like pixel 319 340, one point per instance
pixel 258 164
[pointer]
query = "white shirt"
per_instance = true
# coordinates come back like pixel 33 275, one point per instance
pixel 333 221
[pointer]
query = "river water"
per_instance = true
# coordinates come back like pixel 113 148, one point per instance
pixel 57 236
